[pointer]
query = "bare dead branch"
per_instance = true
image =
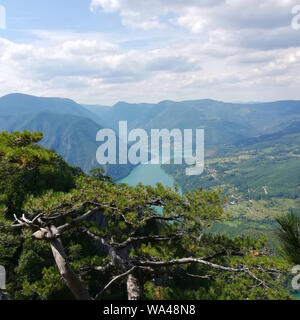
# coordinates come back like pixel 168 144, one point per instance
pixel 185 261
pixel 114 279
pixel 241 269
pixel 198 276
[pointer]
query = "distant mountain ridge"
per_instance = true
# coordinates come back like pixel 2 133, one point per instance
pixel 17 104
pixel 68 128
pixel 252 155
pixel 224 123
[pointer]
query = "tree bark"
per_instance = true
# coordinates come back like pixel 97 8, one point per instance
pixel 135 288
pixel 71 279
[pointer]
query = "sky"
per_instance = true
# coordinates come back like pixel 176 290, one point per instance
pixel 105 51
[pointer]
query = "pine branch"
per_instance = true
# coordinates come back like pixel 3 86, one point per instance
pixel 114 279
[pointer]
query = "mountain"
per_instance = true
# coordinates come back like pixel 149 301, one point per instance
pixel 224 123
pixel 68 128
pixel 252 151
pixel 292 128
pixel 135 114
pixel 18 105
pixel 259 176
pixel 73 137
pixel 101 112
pixel 252 155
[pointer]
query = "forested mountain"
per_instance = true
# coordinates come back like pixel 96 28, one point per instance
pixel 260 177
pixel 67 235
pixel 252 154
pixel 224 123
pixel 230 129
pixel 68 128
pixel 17 104
pixel 137 115
pixel 252 157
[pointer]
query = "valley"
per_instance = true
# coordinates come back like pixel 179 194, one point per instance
pixel 259 177
pixel 252 151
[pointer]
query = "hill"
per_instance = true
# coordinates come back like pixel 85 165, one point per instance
pixel 224 123
pixel 259 176
pixel 68 128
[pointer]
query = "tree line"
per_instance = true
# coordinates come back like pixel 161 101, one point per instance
pixel 65 234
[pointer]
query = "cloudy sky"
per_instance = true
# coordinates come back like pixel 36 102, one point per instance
pixel 104 51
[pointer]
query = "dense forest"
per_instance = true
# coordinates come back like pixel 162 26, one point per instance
pixel 66 234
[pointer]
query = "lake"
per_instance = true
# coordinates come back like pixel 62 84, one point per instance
pixel 151 174
pixel 148 174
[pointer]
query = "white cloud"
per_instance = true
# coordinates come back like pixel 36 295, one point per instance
pixel 107 5
pixel 227 50
pixel 148 14
pixel 84 64
pixel 193 20
pixel 192 13
pixel 242 20
pixel 97 71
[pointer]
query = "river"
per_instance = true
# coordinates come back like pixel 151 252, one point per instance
pixel 148 174
pixel 151 174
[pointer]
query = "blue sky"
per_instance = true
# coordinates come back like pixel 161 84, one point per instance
pixel 58 15
pixel 104 51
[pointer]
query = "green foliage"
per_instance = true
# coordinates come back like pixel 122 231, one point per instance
pixel 288 231
pixel 99 173
pixel 159 223
pixel 259 177
pixel 222 285
pixel 46 287
pixel 27 168
pixel 186 215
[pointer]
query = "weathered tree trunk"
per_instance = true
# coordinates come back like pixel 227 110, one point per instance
pixel 135 288
pixel 71 279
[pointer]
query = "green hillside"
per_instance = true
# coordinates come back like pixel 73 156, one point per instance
pixel 68 128
pixel 260 178
pixel 224 123
pixel 252 154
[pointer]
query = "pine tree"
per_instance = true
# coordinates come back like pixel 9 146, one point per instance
pixel 93 234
